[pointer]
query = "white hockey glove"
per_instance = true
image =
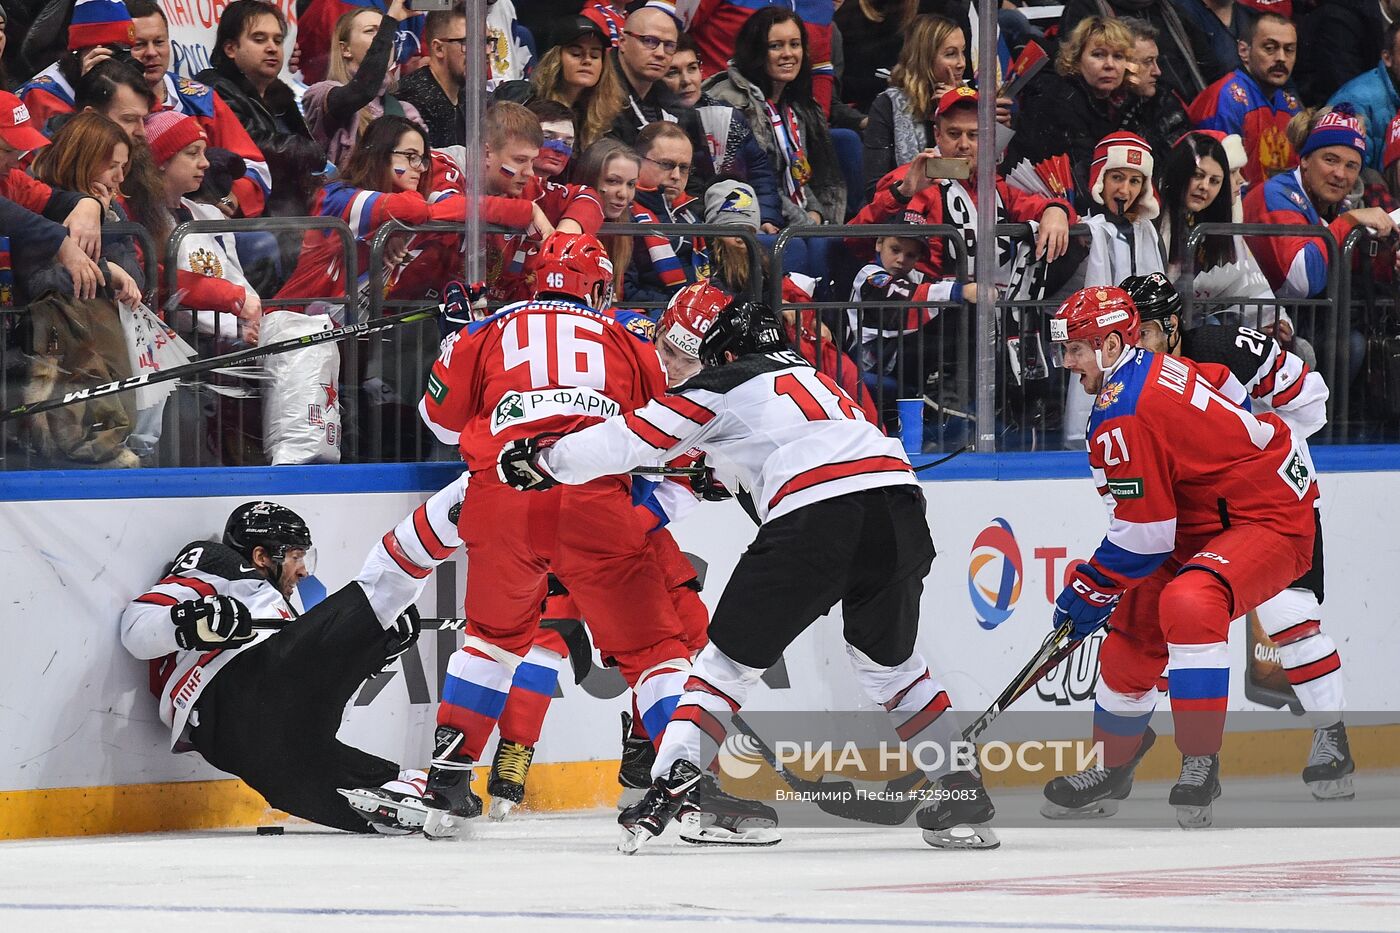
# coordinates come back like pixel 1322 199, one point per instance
pixel 211 622
pixel 519 467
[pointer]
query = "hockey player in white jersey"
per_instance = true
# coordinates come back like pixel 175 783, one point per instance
pixel 265 704
pixel 1281 381
pixel 842 521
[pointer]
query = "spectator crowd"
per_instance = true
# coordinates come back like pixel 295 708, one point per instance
pixel 1122 125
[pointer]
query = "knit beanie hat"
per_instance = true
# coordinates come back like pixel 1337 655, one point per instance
pixel 169 131
pixel 1283 8
pixel 1129 151
pixel 1340 127
pixel 732 203
pixel 100 22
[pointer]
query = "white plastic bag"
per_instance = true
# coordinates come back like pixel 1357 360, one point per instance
pixel 153 347
pixel 301 407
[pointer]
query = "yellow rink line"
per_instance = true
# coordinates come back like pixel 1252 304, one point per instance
pixel 572 785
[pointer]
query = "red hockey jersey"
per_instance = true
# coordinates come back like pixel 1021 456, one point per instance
pixel 1173 457
pixel 534 367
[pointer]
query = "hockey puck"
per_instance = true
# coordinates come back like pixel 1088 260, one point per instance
pixel 270 830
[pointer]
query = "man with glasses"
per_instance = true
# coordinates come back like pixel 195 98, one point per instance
pixel 437 89
pixel 669 263
pixel 642 58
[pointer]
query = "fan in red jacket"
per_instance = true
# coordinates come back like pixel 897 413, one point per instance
pixel 951 201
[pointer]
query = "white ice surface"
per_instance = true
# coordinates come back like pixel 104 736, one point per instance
pixel 560 872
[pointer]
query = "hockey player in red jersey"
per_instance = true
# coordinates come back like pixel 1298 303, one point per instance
pixel 842 520
pixel 1268 375
pixel 1199 533
pixel 552 364
pixel 266 704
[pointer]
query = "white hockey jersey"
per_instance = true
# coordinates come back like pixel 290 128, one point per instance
pixel 768 423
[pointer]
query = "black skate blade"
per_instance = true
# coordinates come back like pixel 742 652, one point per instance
pixel 1341 788
pixel 407 814
pixel 1100 810
pixel 963 836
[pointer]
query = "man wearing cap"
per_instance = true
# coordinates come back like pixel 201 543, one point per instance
pixel 81 215
pixel 642 58
pixel 1310 194
pixel 437 89
pixel 1373 95
pixel 99 29
pixel 954 201
pixel 1252 100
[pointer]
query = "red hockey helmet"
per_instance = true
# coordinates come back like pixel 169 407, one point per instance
pixel 575 264
pixel 689 315
pixel 1091 314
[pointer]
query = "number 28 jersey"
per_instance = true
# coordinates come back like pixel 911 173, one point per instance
pixel 1175 457
pixel 535 367
pixel 767 422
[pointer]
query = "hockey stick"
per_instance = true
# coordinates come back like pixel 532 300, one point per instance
pixel 1053 650
pixel 228 359
pixel 942 460
pixel 427 625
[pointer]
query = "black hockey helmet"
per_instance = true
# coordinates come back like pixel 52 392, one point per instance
pixel 273 527
pixel 1155 296
pixel 742 327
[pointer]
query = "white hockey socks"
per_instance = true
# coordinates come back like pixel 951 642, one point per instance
pixel 1308 654
pixel 398 566
pixel 918 707
pixel 716 689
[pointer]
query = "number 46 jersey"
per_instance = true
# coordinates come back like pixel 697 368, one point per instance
pixel 534 367
pixel 768 422
pixel 1176 458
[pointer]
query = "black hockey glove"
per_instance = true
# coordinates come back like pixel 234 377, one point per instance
pixel 211 622
pixel 518 465
pixel 706 486
pixel 403 635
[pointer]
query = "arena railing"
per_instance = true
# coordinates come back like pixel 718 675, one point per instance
pixel 222 423
pixel 1377 415
pixel 892 379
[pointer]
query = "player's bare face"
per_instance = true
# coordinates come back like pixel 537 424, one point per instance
pixel 1152 337
pixel 1079 358
pixel 679 366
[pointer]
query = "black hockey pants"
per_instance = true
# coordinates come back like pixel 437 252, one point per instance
pixel 270 716
pixel 868 550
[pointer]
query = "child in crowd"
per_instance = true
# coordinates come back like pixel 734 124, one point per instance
pixel 557 126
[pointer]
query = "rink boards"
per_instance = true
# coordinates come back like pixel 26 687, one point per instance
pixel 82 750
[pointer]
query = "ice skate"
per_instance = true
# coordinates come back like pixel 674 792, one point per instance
pixel 634 771
pixel 1195 790
pixel 647 819
pixel 507 783
pixel 395 808
pixel 710 817
pixel 960 814
pixel 1328 773
pixel 1093 793
pixel 449 799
